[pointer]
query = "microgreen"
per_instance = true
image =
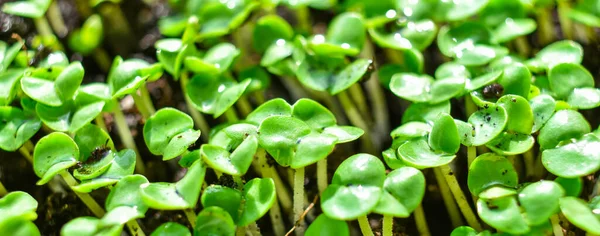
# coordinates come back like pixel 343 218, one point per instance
pixel 169 132
pixel 18 209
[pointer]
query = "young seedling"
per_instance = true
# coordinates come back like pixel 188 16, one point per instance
pixel 169 133
pixel 214 221
pixel 18 209
pixel 88 39
pixel 171 228
pixel 35 9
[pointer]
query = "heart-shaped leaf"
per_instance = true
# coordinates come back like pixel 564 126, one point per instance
pixel 565 77
pixel 565 51
pixel 273 107
pixel 171 228
pixel 18 204
pixel 54 153
pixel 169 132
pixel 458 10
pixel 489 170
pixel 540 201
pixel 573 159
pixel 424 112
pixel 326 226
pixel 176 196
pixel 444 135
pixel 412 35
pixel 584 98
pixel 16 128
pixel 235 163
pixel 355 189
pixel 313 114
pixel 542 107
pixel 123 164
pixel 487 123
pixel 68 117
pixel 213 94
pixel 9 81
pixel 511 143
pixel 563 125
pixel 418 154
pixel 511 28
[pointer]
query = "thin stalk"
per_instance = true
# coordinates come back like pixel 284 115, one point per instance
pixel 127 139
pixel 376 96
pixel 83 6
pixel 522 46
pixel 388 225
pixel 451 207
pixel 240 231
pixel 365 227
pixel 303 17
pixel 244 106
pixel 322 175
pixel 230 115
pixel 100 122
pixel 529 161
pixel 262 166
pixel 44 30
pixel 56 19
pixel 566 25
pixel 134 228
pixel 469 105
pixel 299 200
pixel 471 154
pixel 276 219
pixel 460 198
pixel 294 87
pixel 545 26
pixel 556 228
pixel 26 153
pixel 84 197
pixel 356 120
pixel 240 186
pixel 421 221
pixel 259 96
pixel 143 102
pixel 358 97
pixel 254 230
pixel 198 118
pixel 191 216
pixel 3 190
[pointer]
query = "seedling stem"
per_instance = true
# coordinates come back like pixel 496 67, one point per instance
pixel 268 171
pixel 471 154
pixel 376 95
pixel 191 216
pixel 143 102
pixel 365 227
pixel 85 198
pixel 244 106
pixel 565 22
pixel 358 97
pixel 322 175
pixel 100 122
pixel 299 199
pixel 56 20
pixel 545 26
pixel 44 30
pixel 26 153
pixel 134 228
pixel 451 207
pixel 198 118
pixel 3 190
pixel 102 59
pixel 388 225
pixel 421 221
pixel 556 228
pixel 230 115
pixel 356 119
pixel 460 198
pixel 127 139
pixel 529 160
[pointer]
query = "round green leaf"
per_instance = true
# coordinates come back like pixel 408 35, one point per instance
pixel 169 132
pixel 260 196
pixel 479 54
pixel 54 153
pixel 89 37
pixel 572 186
pixel 68 117
pixel 482 80
pixel 181 195
pixel 125 77
pixel 410 130
pixel 68 81
pixel 542 107
pixel 453 41
pixel 423 112
pixel 91 138
pixel 563 125
pixel 516 80
pixel 463 231
pixel 444 135
pixel 349 76
pixel 214 221
pixel 565 51
pixel 579 214
pixel 355 188
pixel 347 30
pixel 315 115
pixel 519 113
pixel 496 192
pixel 511 28
pixel 418 154
pixel 412 35
pixel 85 225
pixel 344 134
pixel 226 198
pixel 8 85
pixel 487 123
pixel 41 90
pixel 325 226
pixel 503 214
pixel 422 88
pixel 566 77
pixel 235 163
pixel 171 228
pixel 268 30
pixel 127 193
pixel 540 201
pixel 489 170
pixel 16 128
pixel 584 98
pixel 19 226
pixel 458 10
pixel 213 94
pixel 511 143
pixel 407 186
pixel 94 166
pixel 574 159
pixel 18 204
pixel 123 164
pixel 273 107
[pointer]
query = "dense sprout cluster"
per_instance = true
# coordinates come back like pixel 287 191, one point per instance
pixel 367 107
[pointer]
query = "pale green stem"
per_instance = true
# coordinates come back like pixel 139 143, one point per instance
pixel 263 167
pixel 545 26
pixel 145 94
pixel 240 186
pixel 358 97
pixel 56 19
pixel 365 227
pixel 44 30
pixel 421 221
pixel 529 160
pixel 85 198
pixel 460 198
pixel 198 118
pixel 3 190
pixel 556 228
pixel 303 16
pixel 388 225
pixel 100 122
pixel 143 102
pixel 29 145
pixel 253 229
pixel 451 207
pixel 259 96
pixel 230 115
pixel 134 228
pixel 322 175
pixel 191 216
pixel 469 105
pixel 335 108
pixel 244 106
pixel 294 87
pixel 26 153
pixel 376 96
pixel 356 120
pixel 240 231
pixel 565 22
pixel 299 200
pixel 522 46
pixel 471 154
pixel 127 138
pixel 276 219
